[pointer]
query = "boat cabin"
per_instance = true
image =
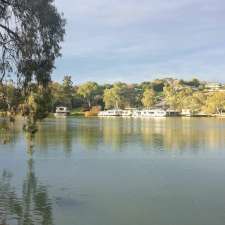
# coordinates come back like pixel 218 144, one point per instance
pixel 62 111
pixel 153 113
pixel 112 112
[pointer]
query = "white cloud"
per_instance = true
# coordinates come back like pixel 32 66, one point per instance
pixel 124 37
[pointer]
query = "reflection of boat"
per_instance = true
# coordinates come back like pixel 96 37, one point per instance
pixel 62 111
pixel 220 115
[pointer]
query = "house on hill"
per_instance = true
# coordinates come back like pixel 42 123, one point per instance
pixel 214 86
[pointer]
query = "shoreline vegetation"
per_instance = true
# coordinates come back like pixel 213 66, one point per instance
pixel 190 98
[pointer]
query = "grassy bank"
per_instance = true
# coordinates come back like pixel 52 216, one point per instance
pixel 77 112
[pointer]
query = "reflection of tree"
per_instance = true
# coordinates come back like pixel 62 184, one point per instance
pixel 8 131
pixel 88 136
pixel 116 131
pixel 34 206
pixel 62 132
pixel 5 135
pixel 167 134
pixel 182 133
pixel 57 132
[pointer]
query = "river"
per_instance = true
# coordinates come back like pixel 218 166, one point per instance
pixel 114 171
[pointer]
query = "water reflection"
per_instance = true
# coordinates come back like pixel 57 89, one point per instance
pixel 118 134
pixel 32 206
pixel 167 134
pixel 8 132
pixel 96 187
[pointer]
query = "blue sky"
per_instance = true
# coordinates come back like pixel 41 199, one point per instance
pixel 140 40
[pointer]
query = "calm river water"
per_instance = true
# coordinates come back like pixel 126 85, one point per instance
pixel 168 171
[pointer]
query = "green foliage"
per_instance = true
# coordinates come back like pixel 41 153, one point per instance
pixel 38 104
pixel 67 91
pixel 111 98
pixel 31 32
pixel 146 85
pixel 180 97
pixel 170 96
pixel 116 97
pixel 30 45
pixel 88 91
pixel 10 97
pixel 195 102
pixel 193 83
pixel 175 95
pixel 158 85
pixel 216 103
pixel 149 98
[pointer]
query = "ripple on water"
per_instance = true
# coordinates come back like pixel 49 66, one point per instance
pixel 67 202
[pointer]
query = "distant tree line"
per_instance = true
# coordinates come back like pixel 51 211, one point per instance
pixel 165 93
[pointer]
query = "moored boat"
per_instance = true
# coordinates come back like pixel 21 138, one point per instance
pixel 112 112
pixel 153 113
pixel 62 111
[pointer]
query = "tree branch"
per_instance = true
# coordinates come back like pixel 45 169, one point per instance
pixel 9 31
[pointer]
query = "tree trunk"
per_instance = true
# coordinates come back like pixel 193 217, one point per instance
pixel 117 105
pixel 89 103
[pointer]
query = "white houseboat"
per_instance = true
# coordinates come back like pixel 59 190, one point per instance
pixel 186 112
pixel 112 112
pixel 127 113
pixel 153 113
pixel 62 111
pixel 136 113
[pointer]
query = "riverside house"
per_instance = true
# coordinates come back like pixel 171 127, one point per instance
pixel 62 111
pixel 213 86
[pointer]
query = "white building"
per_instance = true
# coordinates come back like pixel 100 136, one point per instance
pixel 62 111
pixel 213 86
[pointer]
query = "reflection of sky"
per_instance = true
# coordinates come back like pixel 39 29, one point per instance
pixel 134 40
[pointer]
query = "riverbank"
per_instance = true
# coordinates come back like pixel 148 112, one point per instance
pixel 80 113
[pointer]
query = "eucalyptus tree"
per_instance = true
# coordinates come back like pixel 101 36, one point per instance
pixel 67 91
pixel 170 95
pixel 116 96
pixel 30 35
pixel 149 98
pixel 215 103
pixel 110 98
pixel 88 91
pixel 195 102
pixel 31 32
